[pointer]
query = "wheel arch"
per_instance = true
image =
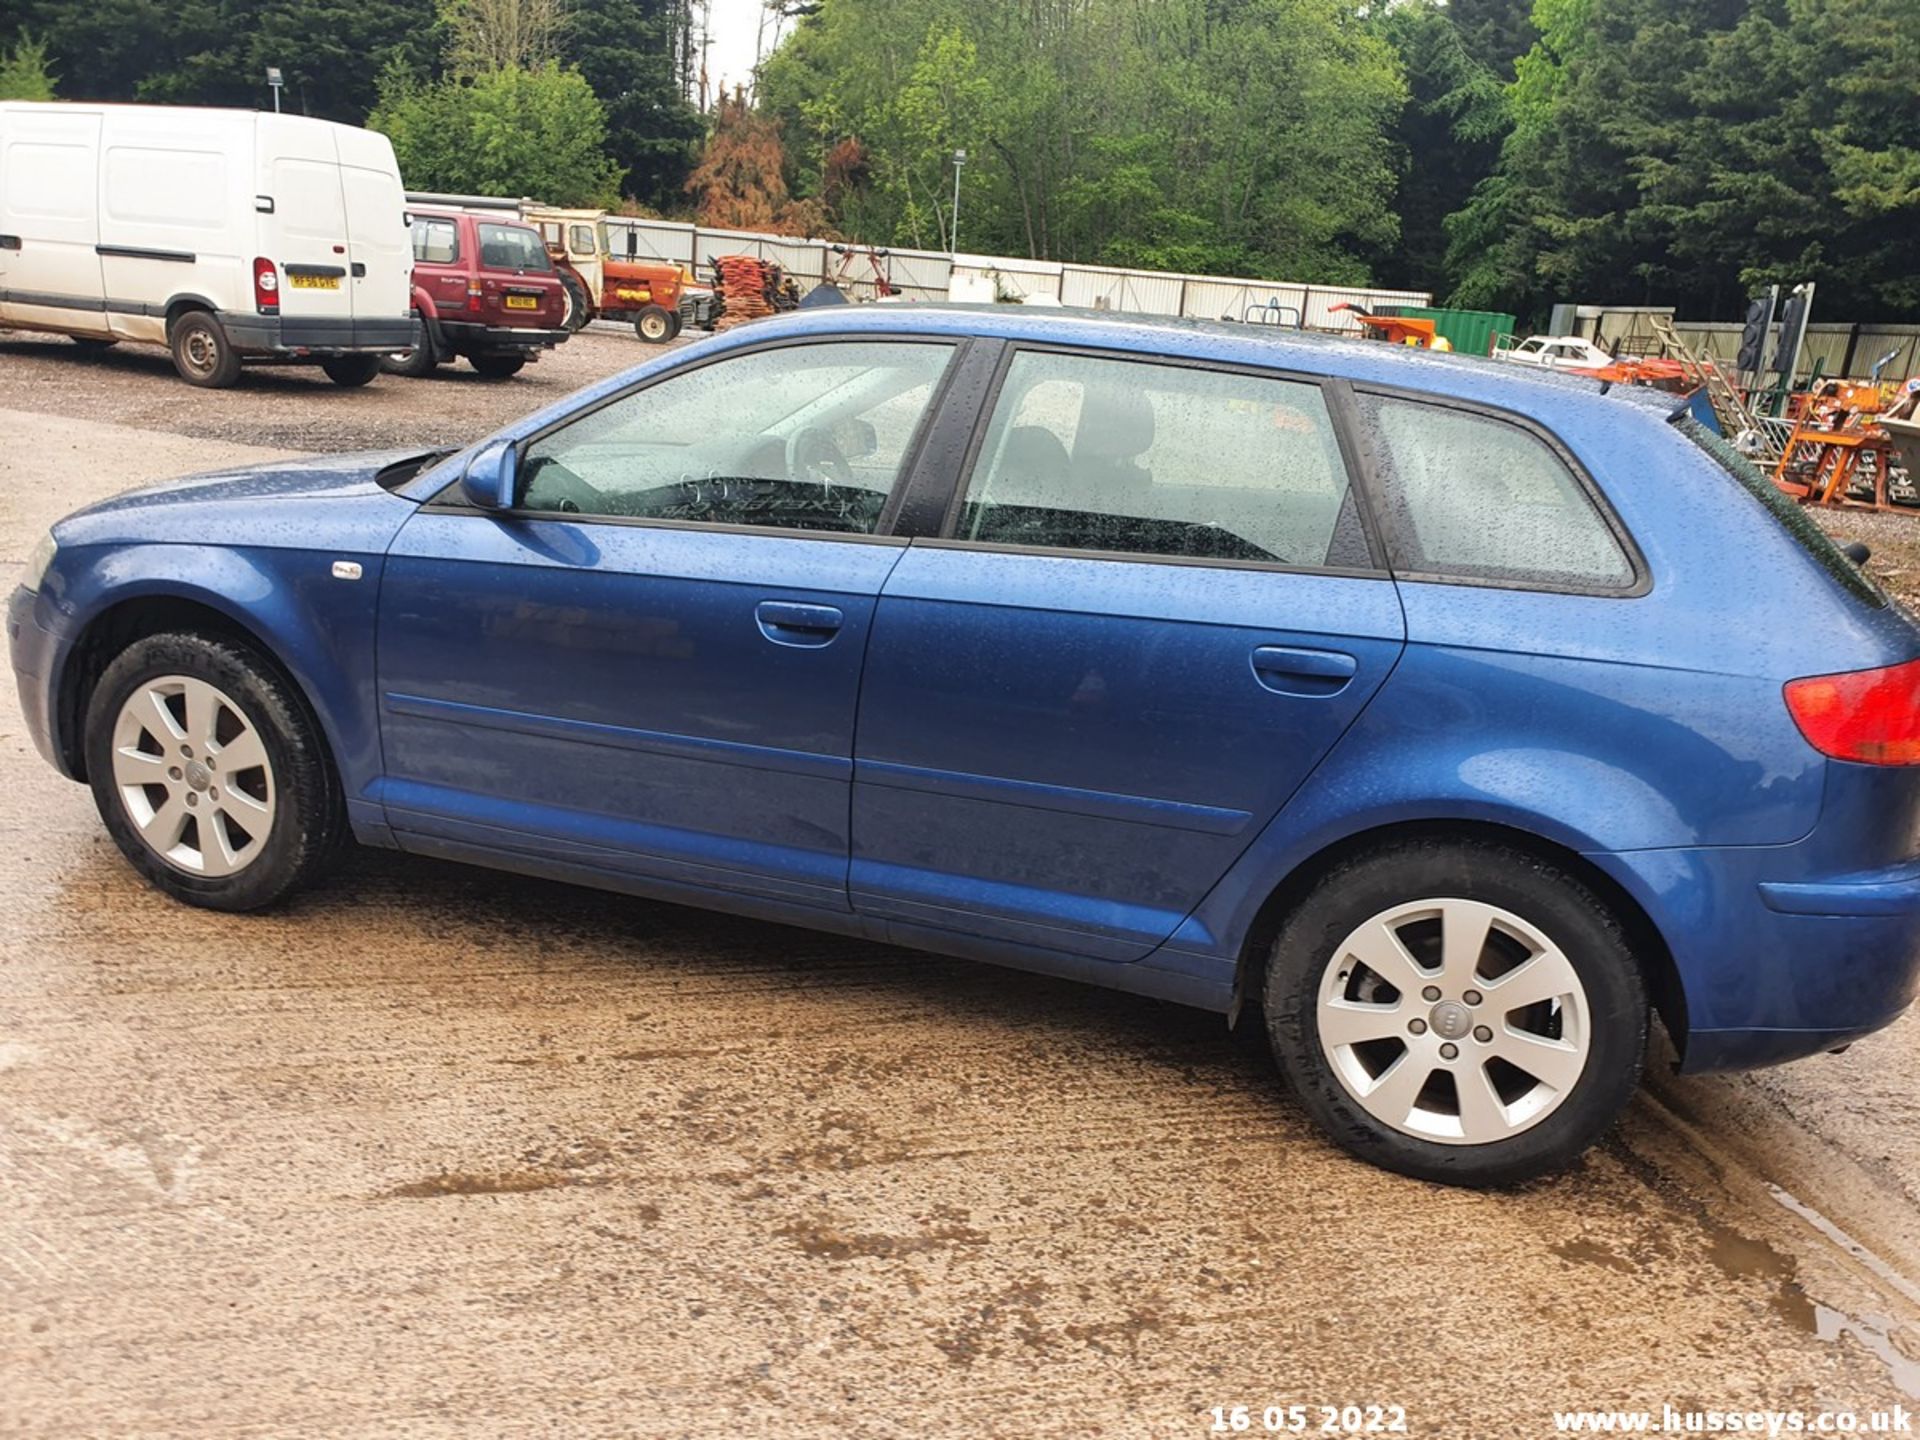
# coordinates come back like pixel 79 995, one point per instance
pixel 133 618
pixel 1649 946
pixel 179 305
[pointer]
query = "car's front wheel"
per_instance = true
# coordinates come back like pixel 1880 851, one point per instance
pixel 1457 1011
pixel 210 773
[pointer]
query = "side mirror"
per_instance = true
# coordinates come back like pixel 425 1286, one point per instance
pixel 491 477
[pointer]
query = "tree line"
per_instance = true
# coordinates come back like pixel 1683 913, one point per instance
pixel 1502 154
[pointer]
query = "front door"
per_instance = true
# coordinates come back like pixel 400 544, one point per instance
pixel 1155 610
pixel 650 666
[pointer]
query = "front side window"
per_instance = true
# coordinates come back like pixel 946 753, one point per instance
pixel 435 242
pixel 805 437
pixel 1476 497
pixel 580 241
pixel 511 247
pixel 1135 458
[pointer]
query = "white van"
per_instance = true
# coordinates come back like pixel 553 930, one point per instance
pixel 225 235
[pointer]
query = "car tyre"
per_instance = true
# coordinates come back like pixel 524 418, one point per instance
pixel 498 367
pixel 579 304
pixel 350 372
pixel 656 324
pixel 1558 1069
pixel 202 353
pixel 419 361
pixel 230 719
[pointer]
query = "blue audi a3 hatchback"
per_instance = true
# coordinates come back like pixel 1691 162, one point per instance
pixel 1447 719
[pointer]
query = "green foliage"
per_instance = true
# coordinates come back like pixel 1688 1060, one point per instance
pixel 23 71
pixel 627 51
pixel 509 132
pixel 1211 134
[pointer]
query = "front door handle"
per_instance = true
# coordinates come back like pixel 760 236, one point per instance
pixel 787 622
pixel 1286 670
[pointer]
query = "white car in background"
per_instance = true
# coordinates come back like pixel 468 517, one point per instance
pixel 1555 352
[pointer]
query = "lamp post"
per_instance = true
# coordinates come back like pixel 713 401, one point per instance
pixel 953 233
pixel 276 80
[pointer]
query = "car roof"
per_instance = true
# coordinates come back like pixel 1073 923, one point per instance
pixel 1467 377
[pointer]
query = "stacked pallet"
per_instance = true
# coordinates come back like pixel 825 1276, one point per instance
pixel 747 283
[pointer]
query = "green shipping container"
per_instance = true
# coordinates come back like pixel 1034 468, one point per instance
pixel 1470 332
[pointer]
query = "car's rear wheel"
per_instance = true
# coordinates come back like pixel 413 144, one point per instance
pixel 579 304
pixel 498 367
pixel 1457 1011
pixel 421 360
pixel 210 773
pixel 201 351
pixel 655 324
pixel 350 372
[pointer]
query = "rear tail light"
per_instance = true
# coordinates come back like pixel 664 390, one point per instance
pixel 474 294
pixel 1870 716
pixel 266 286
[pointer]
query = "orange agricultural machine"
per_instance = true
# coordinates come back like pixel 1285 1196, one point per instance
pixel 1398 330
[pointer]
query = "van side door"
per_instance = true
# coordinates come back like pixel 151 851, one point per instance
pixel 50 220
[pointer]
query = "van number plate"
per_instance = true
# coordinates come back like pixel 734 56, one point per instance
pixel 522 302
pixel 314 282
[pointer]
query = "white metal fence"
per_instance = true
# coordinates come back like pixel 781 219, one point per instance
pixel 927 274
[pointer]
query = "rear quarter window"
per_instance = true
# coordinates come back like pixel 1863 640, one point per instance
pixel 1471 496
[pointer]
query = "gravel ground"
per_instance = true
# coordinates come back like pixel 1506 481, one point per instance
pixel 1894 538
pixel 295 407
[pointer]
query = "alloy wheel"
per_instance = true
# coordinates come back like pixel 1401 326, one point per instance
pixel 193 775
pixel 1454 1021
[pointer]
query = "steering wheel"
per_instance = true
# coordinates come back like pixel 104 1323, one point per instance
pixel 552 486
pixel 812 456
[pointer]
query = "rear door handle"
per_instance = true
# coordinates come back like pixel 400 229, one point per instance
pixel 787 622
pixel 359 268
pixel 9 242
pixel 1286 670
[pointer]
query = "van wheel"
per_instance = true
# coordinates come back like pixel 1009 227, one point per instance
pixel 210 772
pixel 1460 1012
pixel 655 325
pixel 579 306
pixel 350 372
pixel 201 351
pixel 498 367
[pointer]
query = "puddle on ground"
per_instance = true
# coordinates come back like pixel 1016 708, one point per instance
pixel 1743 1257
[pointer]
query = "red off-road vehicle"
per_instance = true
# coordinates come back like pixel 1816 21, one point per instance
pixel 483 288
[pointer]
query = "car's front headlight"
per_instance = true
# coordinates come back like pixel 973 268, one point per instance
pixel 38 562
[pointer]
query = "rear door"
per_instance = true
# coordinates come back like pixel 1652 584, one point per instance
pixel 49 219
pixel 379 248
pixel 306 233
pixel 1155 607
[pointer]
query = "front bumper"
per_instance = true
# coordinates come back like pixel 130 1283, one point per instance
pixel 35 652
pixel 287 335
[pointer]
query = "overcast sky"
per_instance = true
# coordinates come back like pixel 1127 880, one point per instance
pixel 731 33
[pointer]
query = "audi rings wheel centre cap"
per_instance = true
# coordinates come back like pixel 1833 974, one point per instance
pixel 1450 1020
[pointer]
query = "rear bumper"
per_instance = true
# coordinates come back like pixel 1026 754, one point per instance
pixel 472 334
pixel 288 334
pixel 1774 963
pixel 35 652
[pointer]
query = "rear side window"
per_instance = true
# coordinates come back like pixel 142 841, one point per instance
pixel 1473 497
pixel 511 247
pixel 1791 516
pixel 1135 458
pixel 435 242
